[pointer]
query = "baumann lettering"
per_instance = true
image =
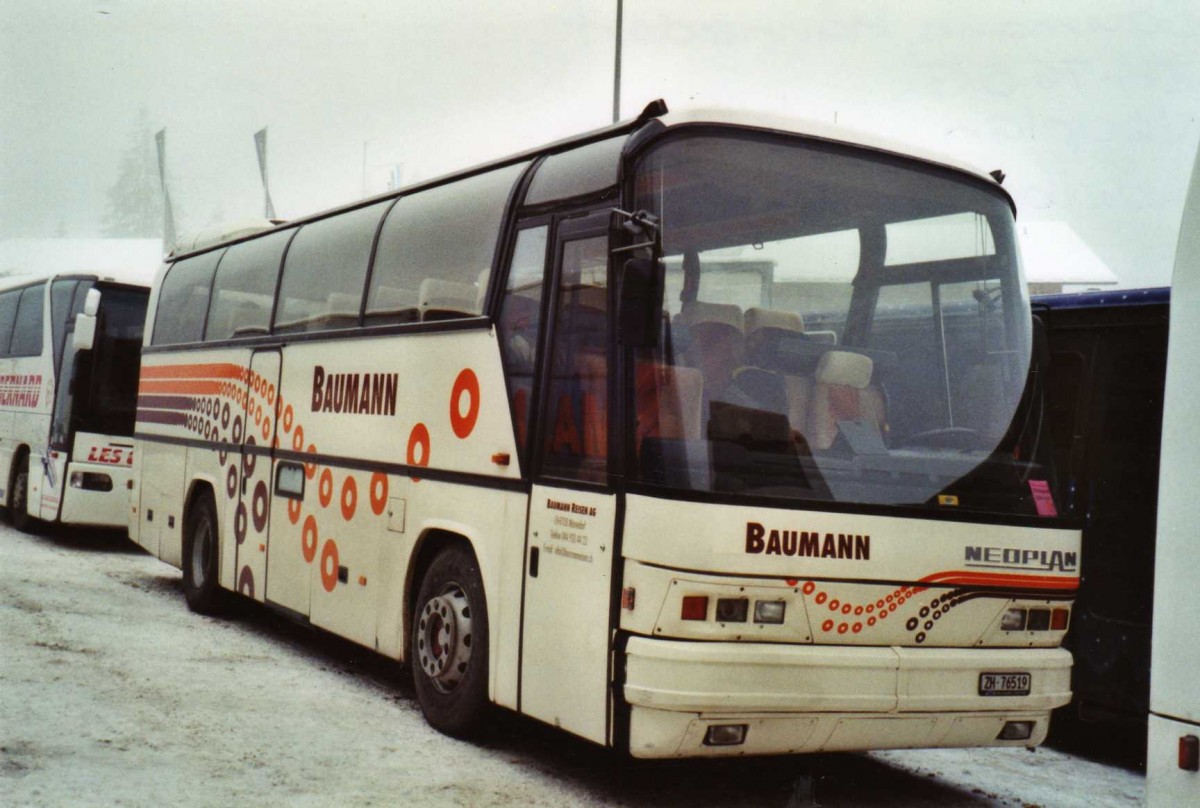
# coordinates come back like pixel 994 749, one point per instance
pixel 357 393
pixel 1013 558
pixel 809 544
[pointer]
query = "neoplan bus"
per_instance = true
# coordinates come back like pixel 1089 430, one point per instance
pixel 690 435
pixel 1173 744
pixel 69 348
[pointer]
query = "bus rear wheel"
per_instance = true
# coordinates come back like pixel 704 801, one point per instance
pixel 200 557
pixel 450 644
pixel 18 500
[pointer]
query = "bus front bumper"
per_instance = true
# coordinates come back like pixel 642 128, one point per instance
pixel 794 699
pixel 86 504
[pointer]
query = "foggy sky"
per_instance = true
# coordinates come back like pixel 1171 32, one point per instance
pixel 1090 106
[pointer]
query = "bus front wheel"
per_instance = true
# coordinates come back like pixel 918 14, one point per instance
pixel 18 500
pixel 450 644
pixel 200 586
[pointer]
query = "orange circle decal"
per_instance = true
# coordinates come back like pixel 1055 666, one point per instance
pixel 379 492
pixel 418 439
pixel 467 384
pixel 287 417
pixel 325 488
pixel 349 498
pixel 329 565
pixel 293 511
pixel 308 538
pixel 298 439
pixel 309 468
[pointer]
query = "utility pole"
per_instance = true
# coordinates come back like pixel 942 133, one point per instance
pixel 617 67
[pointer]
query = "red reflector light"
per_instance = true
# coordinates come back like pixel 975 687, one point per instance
pixel 1189 753
pixel 1058 619
pixel 695 607
pixel 628 598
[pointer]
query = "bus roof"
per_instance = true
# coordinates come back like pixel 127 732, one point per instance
pixel 655 114
pixel 818 130
pixel 22 281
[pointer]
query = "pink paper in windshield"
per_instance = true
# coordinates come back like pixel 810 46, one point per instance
pixel 1042 498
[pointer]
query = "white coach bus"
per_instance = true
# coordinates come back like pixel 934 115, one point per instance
pixel 691 436
pixel 68 398
pixel 1173 748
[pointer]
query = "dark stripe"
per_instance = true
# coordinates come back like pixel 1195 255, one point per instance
pixel 166 402
pixel 282 340
pixel 333 461
pixel 927 513
pixel 157 417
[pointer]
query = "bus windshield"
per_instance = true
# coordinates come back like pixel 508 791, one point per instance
pixel 838 325
pixel 97 389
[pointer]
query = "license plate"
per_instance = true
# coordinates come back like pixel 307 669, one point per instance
pixel 1004 684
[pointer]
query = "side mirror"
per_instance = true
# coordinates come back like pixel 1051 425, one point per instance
pixel 85 322
pixel 91 303
pixel 85 332
pixel 641 303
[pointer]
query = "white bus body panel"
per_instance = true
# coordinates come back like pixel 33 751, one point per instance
pixel 1175 650
pixel 566 637
pixel 103 455
pixel 826 698
pixel 859 660
pixel 26 402
pixel 342 556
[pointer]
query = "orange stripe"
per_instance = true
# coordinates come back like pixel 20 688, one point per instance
pixel 1003 579
pixel 213 370
pixel 202 388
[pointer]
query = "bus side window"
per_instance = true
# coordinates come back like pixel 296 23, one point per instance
pixel 27 333
pixel 245 287
pixel 520 313
pixel 435 248
pixel 183 300
pixel 576 428
pixel 312 295
pixel 8 315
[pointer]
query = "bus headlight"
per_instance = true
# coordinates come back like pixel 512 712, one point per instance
pixel 732 610
pixel 1013 620
pixel 769 611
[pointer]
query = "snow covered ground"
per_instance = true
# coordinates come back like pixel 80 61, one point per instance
pixel 112 693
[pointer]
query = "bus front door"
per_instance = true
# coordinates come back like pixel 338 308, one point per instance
pixel 251 517
pixel 565 666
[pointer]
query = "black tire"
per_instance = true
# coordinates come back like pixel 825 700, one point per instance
pixel 449 645
pixel 201 559
pixel 18 498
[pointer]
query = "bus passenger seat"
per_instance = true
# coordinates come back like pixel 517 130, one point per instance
pixel 445 300
pixel 767 378
pixel 843 391
pixel 716 341
pixel 394 303
pixel 340 304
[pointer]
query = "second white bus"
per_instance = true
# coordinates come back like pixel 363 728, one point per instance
pixel 67 404
pixel 691 436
